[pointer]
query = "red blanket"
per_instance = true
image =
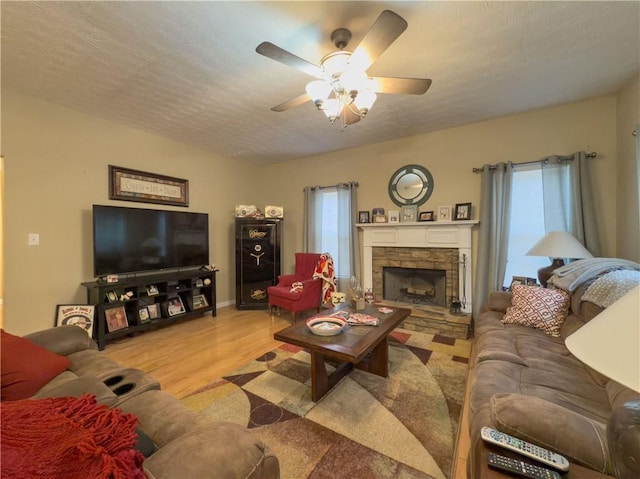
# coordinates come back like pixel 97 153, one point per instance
pixel 70 438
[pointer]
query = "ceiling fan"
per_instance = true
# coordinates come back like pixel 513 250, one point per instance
pixel 342 88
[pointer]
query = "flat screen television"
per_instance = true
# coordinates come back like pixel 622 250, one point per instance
pixel 132 240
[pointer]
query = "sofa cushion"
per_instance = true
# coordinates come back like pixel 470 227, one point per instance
pixel 579 439
pixel 26 367
pixel 180 432
pixel 537 307
pixel 63 340
pixel 77 387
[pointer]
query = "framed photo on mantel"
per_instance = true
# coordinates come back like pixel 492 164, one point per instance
pixel 463 211
pixel 409 213
pixel 426 216
pixel 444 213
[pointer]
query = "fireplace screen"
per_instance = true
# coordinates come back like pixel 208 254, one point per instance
pixel 415 285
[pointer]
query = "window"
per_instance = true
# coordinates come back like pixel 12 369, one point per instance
pixel 331 217
pixel 328 239
pixel 527 223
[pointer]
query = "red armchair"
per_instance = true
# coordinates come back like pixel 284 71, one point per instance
pixel 309 297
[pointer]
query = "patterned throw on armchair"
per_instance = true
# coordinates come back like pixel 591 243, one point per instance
pixel 300 291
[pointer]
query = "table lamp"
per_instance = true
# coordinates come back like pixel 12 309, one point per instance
pixel 557 245
pixel 610 344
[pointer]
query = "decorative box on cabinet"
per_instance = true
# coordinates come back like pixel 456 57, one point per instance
pixel 258 244
pixel 154 299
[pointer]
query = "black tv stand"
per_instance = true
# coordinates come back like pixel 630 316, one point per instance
pixel 153 300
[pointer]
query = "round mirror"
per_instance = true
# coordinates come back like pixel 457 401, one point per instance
pixel 410 185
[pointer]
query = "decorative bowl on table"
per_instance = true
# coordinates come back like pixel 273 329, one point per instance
pixel 326 325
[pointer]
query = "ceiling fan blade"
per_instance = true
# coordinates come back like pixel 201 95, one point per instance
pixel 350 117
pixel 407 86
pixel 384 31
pixel 278 54
pixel 292 103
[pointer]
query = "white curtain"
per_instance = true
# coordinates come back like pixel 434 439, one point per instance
pixel 317 233
pixel 312 219
pixel 568 199
pixel 493 237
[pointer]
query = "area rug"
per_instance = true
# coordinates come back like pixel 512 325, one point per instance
pixel 402 426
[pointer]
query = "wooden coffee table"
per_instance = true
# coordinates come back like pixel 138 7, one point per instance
pixel 364 347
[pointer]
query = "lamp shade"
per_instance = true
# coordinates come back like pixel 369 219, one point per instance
pixel 559 244
pixel 318 90
pixel 610 342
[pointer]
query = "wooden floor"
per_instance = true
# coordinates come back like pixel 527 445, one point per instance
pixel 186 356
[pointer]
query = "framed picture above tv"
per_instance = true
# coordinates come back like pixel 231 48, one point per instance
pixel 134 185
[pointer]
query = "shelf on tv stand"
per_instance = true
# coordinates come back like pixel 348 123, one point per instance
pixel 183 284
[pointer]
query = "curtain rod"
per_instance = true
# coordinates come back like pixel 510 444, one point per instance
pixel 339 185
pixel 544 161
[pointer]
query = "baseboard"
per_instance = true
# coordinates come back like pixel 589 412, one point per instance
pixel 224 304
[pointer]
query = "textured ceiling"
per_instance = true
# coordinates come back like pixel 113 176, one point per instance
pixel 189 70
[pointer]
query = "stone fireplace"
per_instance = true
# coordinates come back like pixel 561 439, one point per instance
pixel 422 267
pixel 420 276
pixel 415 285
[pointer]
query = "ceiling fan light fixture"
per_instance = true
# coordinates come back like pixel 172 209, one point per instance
pixel 334 64
pixel 353 81
pixel 319 91
pixel 332 108
pixel 342 89
pixel 365 100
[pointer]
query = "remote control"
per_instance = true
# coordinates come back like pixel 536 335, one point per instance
pixel 520 467
pixel 538 453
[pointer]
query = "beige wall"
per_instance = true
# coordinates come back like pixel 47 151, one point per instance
pixel 56 168
pixel 628 119
pixel 450 156
pixel 1 241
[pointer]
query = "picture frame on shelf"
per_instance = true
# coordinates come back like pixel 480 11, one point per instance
pixel 444 213
pixel 462 211
pixel 116 319
pixel 199 283
pixel 363 217
pixel 152 290
pixel 426 216
pixel 379 218
pixel 200 301
pixel 409 213
pixel 154 310
pixel 112 296
pixel 523 280
pixel 143 314
pixel 134 185
pixel 377 211
pixel 81 315
pixel 394 216
pixel 175 306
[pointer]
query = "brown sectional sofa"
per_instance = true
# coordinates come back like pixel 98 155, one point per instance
pixel 189 445
pixel 527 383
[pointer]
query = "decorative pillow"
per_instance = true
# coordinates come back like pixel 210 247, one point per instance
pixel 538 307
pixel 26 367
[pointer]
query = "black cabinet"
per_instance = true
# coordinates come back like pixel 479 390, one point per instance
pixel 142 302
pixel 258 243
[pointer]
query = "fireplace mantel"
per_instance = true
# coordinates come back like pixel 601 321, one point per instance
pixel 437 234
